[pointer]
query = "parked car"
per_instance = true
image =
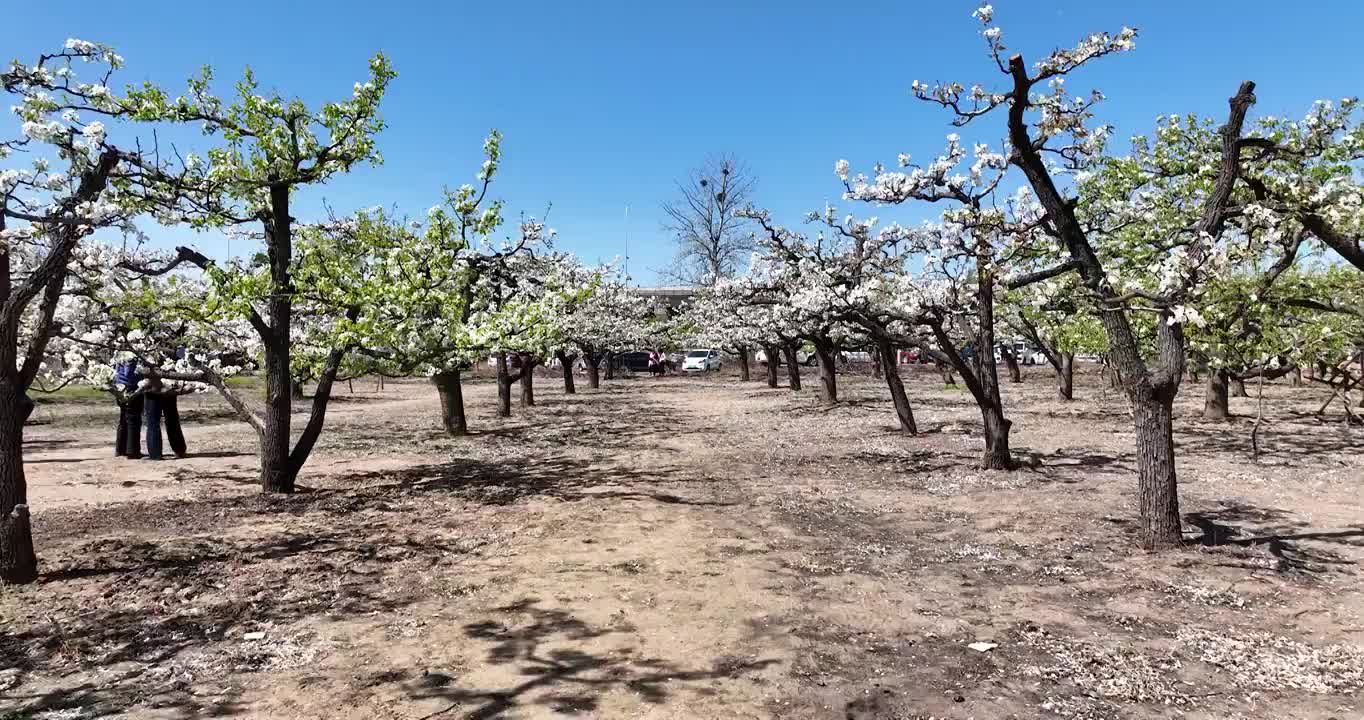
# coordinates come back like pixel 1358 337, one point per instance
pixel 634 361
pixel 802 358
pixel 701 361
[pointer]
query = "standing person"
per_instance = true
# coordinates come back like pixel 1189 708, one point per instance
pixel 151 417
pixel 175 435
pixel 126 381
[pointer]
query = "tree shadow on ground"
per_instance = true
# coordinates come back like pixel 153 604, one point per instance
pixel 545 647
pixel 1222 439
pixel 1294 546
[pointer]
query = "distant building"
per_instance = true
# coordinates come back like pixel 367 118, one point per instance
pixel 667 299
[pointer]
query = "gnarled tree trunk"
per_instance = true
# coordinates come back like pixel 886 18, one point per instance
pixel 1065 377
pixel 885 355
pixel 527 379
pixel 566 364
pixel 18 562
pixel 792 367
pixel 1011 362
pixel 773 360
pixel 450 388
pixel 1157 489
pixel 503 386
pixel 1215 404
pixel 828 379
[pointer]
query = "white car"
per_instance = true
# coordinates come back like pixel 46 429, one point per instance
pixel 701 361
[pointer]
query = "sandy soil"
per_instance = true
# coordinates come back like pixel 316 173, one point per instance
pixel 693 548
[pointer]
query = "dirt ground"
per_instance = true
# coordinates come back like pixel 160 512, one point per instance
pixel 693 548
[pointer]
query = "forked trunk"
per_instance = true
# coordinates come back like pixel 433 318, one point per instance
pixel 792 367
pixel 828 379
pixel 1215 405
pixel 885 356
pixel 1065 377
pixel 18 562
pixel 503 386
pixel 451 391
pixel 743 365
pixel 566 364
pixel 1157 489
pixel 527 380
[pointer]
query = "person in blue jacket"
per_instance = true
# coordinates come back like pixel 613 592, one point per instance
pixel 130 408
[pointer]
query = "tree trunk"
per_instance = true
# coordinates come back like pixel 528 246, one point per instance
pixel 610 366
pixel 946 371
pixel 277 474
pixel 1238 387
pixel 593 370
pixel 770 352
pixel 1158 491
pixel 18 562
pixel 828 379
pixel 527 380
pixel 1011 362
pixel 885 357
pixel 1215 405
pixel 879 366
pixel 743 365
pixel 450 388
pixel 792 367
pixel 1296 377
pixel 566 364
pixel 503 386
pixel 1065 377
pixel 296 390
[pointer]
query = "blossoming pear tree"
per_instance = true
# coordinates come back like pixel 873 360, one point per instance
pixel 271 147
pixel 1049 134
pixel 62 179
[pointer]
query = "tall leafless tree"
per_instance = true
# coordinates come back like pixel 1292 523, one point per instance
pixel 704 220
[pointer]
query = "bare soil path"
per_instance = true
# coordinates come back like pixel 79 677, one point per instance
pixel 692 548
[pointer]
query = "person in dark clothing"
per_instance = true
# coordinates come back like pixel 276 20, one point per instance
pixel 126 379
pixel 151 417
pixel 175 435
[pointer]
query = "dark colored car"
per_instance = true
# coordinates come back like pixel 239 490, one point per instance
pixel 636 361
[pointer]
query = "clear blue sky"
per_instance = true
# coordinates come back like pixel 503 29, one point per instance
pixel 605 104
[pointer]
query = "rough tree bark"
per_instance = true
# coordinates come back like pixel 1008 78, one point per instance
pixel 18 562
pixel 773 360
pixel 566 364
pixel 1150 389
pixel 451 390
pixel 504 383
pixel 1011 362
pixel 885 355
pixel 1065 377
pixel 277 474
pixel 19 365
pixel 792 367
pixel 828 378
pixel 743 364
pixel 1215 404
pixel 527 379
